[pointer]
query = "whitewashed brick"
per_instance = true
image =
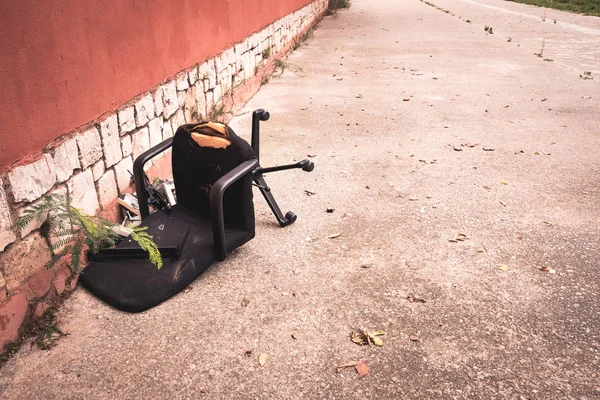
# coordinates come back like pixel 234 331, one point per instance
pixel 255 41
pixel 35 224
pixel 189 107
pixel 82 192
pixel 7 236
pixel 248 64
pixel 126 120
pixel 225 79
pixel 193 75
pixel 207 72
pixel 181 81
pixel 98 170
pixel 109 131
pixel 210 102
pixel 218 94
pixel 66 159
pixel 158 102
pixel 144 110
pixel 23 260
pixel 90 147
pixel 126 146
pixel 155 131
pixel 140 142
pixel 107 188
pixel 122 174
pixel 177 120
pixel 228 56
pixel 167 130
pixel 29 182
pixel 170 102
pixel 239 48
pixel 219 63
pixel 200 101
pixel 181 98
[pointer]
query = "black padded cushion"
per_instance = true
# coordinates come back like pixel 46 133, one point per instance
pixel 136 285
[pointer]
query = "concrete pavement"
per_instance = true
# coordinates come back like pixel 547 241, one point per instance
pixel 422 128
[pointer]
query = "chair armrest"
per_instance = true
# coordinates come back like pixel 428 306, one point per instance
pixel 138 173
pixel 216 204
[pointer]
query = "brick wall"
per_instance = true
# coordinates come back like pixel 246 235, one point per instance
pixel 91 164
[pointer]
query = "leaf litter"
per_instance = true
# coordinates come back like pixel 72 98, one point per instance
pixel 367 338
pixel 360 367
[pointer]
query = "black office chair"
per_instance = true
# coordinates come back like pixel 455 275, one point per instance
pixel 214 215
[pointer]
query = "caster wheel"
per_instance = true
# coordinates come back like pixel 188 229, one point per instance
pixel 290 218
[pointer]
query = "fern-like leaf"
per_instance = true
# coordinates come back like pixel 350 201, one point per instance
pixel 147 244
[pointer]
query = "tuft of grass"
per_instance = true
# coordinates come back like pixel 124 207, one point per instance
pixel 587 7
pixel 334 5
pixel 217 112
pixel 266 53
pixel 281 66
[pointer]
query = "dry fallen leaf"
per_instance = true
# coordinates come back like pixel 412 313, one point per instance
pixel 480 250
pixel 504 183
pixel 414 338
pixel 377 341
pixel 362 368
pixel 334 235
pixel 503 267
pixel 294 336
pixel 548 270
pixel 262 359
pixel 488 149
pixel 245 302
pixel 469 144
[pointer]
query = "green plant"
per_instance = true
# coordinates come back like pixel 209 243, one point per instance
pixel 69 231
pixel 334 5
pixel 283 65
pixel 266 53
pixel 588 7
pixel 217 111
pixel 541 53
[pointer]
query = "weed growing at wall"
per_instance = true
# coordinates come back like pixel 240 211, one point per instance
pixel 335 5
pixel 70 231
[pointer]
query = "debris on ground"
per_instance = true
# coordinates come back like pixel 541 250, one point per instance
pixel 460 238
pixel 367 338
pixel 262 359
pixel 413 299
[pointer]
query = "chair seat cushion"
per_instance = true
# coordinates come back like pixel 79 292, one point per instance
pixel 135 285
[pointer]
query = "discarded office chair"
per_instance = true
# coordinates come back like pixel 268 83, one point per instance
pixel 214 214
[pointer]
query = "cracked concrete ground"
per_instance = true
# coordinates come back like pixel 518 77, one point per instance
pixel 397 103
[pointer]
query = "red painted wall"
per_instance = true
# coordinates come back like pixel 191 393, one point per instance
pixel 65 62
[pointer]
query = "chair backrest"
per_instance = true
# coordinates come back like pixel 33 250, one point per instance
pixel 196 168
